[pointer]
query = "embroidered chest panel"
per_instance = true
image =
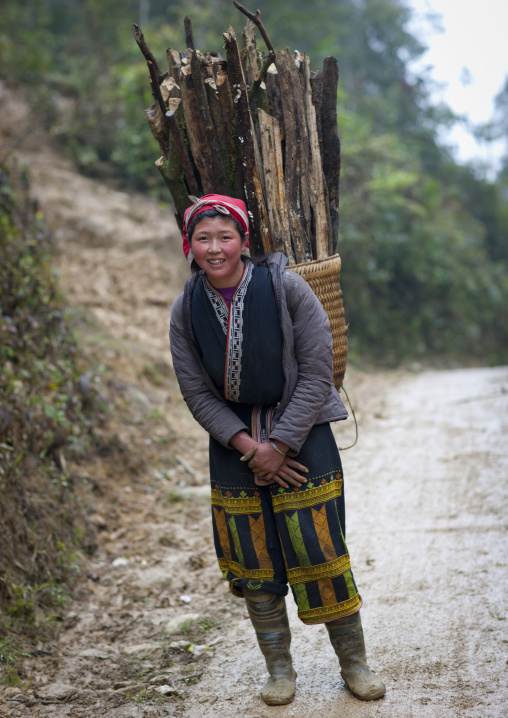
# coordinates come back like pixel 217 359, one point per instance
pixel 231 321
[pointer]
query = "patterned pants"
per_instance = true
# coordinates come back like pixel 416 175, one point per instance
pixel 267 537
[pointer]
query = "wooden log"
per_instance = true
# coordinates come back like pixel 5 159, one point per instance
pixel 331 142
pixel 214 57
pixel 207 71
pixel 319 198
pixel 159 128
pixel 228 117
pixel 316 84
pixel 299 58
pixel 275 99
pixel 172 175
pixel 258 91
pixel 221 131
pixel 181 152
pixel 170 89
pixel 296 166
pixel 258 158
pixel 261 240
pixel 196 133
pixel 189 36
pixel 219 169
pixel 174 64
pixel 252 52
pixel 243 61
pixel 274 184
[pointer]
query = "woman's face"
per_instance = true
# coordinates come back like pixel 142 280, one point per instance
pixel 217 247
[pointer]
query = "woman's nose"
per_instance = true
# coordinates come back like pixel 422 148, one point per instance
pixel 214 245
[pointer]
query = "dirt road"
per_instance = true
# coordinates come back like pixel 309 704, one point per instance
pixel 427 501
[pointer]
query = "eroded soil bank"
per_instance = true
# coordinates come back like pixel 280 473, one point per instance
pixel 426 493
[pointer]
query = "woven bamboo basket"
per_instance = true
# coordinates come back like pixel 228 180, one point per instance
pixel 322 275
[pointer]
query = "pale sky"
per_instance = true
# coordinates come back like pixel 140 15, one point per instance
pixel 470 58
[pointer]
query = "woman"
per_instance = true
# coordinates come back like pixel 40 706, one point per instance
pixel 252 351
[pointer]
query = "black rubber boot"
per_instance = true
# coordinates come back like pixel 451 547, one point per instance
pixel 267 612
pixel 346 636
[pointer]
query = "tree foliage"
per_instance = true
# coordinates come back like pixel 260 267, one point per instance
pixel 423 240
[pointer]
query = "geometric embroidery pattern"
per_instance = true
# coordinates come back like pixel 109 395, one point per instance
pixel 236 540
pixel 257 530
pixel 323 533
pixel 327 592
pixel 236 504
pixel 232 325
pixel 309 497
pixel 327 613
pixel 222 530
pixel 302 598
pixel 219 305
pixel 295 535
pixel 304 574
pixel 263 574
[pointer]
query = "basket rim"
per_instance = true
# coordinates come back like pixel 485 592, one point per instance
pixel 314 262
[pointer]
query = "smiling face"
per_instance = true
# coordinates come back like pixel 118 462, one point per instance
pixel 217 248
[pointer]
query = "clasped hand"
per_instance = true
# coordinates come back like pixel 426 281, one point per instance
pixel 270 467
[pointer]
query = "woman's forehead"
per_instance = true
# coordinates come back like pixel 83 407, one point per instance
pixel 216 224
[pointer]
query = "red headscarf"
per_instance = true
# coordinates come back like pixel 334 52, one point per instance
pixel 223 204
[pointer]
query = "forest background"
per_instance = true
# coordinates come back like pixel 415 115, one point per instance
pixel 423 240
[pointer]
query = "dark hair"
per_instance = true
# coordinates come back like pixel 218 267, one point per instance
pixel 213 213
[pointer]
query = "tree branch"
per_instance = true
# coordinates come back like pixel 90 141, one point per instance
pixel 140 39
pixel 156 90
pixel 256 19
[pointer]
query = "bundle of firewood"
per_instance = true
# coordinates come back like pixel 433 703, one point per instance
pixel 260 127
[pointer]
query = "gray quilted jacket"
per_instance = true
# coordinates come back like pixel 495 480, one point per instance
pixel 309 395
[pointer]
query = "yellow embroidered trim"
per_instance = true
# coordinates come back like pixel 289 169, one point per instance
pixel 307 497
pixel 240 572
pixel 304 574
pixel 236 505
pixel 329 613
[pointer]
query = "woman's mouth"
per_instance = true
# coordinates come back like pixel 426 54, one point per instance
pixel 216 262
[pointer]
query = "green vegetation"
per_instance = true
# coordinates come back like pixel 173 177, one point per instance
pixel 195 628
pixel 43 419
pixel 424 241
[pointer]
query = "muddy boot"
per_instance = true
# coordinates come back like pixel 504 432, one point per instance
pixel 267 612
pixel 346 636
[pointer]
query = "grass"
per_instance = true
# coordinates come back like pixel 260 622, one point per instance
pixel 199 627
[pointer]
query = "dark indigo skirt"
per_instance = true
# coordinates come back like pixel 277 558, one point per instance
pixel 267 537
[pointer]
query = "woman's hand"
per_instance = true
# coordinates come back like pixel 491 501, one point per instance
pixel 262 460
pixel 288 473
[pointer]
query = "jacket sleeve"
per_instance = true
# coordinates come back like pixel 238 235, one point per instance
pixel 313 354
pixel 208 409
